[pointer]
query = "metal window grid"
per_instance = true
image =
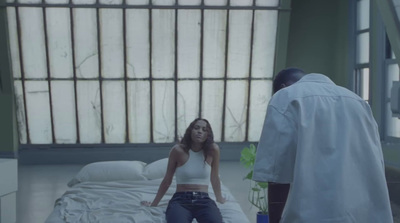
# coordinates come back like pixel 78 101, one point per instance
pixel 16 5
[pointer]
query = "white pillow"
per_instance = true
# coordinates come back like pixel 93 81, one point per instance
pixel 156 169
pixel 109 171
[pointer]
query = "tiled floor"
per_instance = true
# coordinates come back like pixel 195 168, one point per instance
pixel 40 186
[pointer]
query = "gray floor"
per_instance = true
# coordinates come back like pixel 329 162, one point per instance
pixel 39 186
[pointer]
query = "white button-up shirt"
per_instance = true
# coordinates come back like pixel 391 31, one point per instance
pixel 324 141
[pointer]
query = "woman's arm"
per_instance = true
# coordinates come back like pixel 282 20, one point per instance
pixel 166 182
pixel 215 181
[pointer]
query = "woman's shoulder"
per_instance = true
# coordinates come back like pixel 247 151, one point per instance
pixel 178 148
pixel 214 148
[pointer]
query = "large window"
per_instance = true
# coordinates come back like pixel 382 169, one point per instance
pixel 390 126
pixel 361 78
pixel 362 67
pixel 392 74
pixel 124 71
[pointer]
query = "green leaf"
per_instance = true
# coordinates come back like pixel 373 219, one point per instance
pixel 248 155
pixel 263 185
pixel 253 148
pixel 257 192
pixel 249 176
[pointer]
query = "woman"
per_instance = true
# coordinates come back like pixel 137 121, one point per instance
pixel 195 162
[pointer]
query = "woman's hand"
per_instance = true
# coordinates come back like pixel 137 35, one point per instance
pixel 145 203
pixel 221 200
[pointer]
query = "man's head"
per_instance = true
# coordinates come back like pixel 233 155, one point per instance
pixel 287 77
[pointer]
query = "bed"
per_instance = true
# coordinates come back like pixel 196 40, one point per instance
pixel 111 191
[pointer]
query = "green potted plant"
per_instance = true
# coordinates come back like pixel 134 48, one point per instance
pixel 258 190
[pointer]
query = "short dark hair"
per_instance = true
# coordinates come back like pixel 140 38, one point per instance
pixel 286 76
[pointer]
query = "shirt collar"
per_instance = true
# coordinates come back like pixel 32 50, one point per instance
pixel 314 77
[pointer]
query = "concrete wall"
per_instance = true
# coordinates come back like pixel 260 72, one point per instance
pixel 318 38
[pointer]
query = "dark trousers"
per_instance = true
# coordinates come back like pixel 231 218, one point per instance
pixel 277 195
pixel 185 206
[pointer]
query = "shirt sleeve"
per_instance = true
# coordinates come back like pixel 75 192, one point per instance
pixel 276 150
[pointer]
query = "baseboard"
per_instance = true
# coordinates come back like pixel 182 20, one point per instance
pixel 11 155
pixel 393 182
pixel 83 154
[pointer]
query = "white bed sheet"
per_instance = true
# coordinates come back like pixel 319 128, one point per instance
pixel 119 202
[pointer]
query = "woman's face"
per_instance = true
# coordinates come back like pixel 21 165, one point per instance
pixel 199 132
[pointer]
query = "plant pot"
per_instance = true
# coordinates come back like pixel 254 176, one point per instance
pixel 262 218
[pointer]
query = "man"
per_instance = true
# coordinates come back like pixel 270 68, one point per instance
pixel 322 140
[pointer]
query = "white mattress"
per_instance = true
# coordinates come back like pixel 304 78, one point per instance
pixel 119 202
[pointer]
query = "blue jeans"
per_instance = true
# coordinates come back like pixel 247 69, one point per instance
pixel 185 206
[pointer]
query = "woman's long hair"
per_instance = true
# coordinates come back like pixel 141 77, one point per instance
pixel 186 141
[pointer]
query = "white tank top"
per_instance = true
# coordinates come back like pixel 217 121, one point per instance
pixel 194 171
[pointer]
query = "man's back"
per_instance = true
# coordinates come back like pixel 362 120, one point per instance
pixel 331 154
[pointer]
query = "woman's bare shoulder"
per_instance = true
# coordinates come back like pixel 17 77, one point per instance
pixel 177 149
pixel 214 148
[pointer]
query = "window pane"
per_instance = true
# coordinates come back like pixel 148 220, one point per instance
pixel 112 52
pixel 214 43
pixel 259 98
pixel 13 40
pixel 163 111
pixel 235 111
pixel 365 84
pixel 59 37
pixel 163 43
pixel 29 1
pixel 38 111
pixel 265 25
pixel 363 14
pixel 212 105
pixel 363 48
pixel 189 43
pixel 57 1
pixel 137 2
pixel 85 35
pixel 241 2
pixel 362 83
pixel 139 111
pixel 137 43
pixel 239 43
pixel 163 2
pixel 392 123
pixel 114 111
pixel 189 2
pixel 111 2
pixel 33 45
pixel 188 104
pixel 89 111
pixel 20 108
pixel 267 2
pixel 84 2
pixel 63 102
pixel 215 2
